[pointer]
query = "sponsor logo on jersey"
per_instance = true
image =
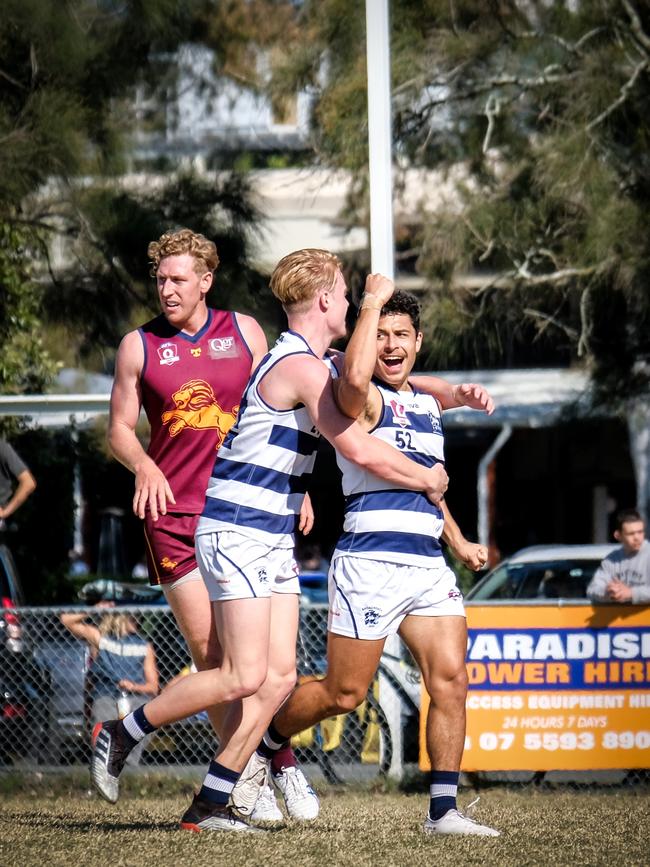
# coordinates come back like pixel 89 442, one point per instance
pixel 168 564
pixel 196 408
pixel 222 347
pixel 399 413
pixel 371 616
pixel 168 353
pixel 196 351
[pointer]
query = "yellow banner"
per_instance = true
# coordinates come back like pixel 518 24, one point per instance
pixel 555 688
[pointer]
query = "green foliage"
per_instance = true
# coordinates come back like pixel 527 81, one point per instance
pixel 543 112
pixel 25 366
pixel 65 69
pixel 99 296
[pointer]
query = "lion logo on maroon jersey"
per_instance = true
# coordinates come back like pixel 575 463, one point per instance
pixel 197 408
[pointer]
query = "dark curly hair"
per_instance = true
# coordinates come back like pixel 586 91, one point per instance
pixel 403 302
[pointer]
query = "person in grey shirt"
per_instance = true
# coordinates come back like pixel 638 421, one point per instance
pixel 13 469
pixel 624 575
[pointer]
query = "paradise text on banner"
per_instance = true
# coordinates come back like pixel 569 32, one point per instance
pixel 556 688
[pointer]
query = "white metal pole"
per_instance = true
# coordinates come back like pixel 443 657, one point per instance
pixel 482 484
pixel 382 257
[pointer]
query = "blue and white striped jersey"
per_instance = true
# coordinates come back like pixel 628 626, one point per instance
pixel 383 521
pixel 263 466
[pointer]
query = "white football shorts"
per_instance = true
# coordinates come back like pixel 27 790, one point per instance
pixel 237 567
pixel 370 598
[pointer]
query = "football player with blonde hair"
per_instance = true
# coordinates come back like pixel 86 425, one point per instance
pixel 188 368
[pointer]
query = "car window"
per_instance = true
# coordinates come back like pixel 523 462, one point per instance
pixel 551 579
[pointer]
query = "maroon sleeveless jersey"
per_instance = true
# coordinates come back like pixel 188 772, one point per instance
pixel 191 390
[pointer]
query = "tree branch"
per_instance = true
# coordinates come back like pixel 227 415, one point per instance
pixel 622 97
pixel 542 80
pixel 641 36
pixel 569 47
pixel 554 277
pixel 12 80
pixel 492 111
pixel 551 320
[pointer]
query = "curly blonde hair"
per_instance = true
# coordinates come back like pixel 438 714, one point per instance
pixel 298 276
pixel 182 241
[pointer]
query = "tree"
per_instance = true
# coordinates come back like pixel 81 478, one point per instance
pixel 68 79
pixel 25 364
pixel 541 109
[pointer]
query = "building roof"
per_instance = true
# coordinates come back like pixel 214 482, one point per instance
pixel 524 398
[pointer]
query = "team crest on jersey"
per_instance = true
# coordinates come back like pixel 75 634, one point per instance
pixel 196 351
pixel 455 593
pixel 168 564
pixel 436 427
pixel 168 353
pixel 222 347
pixel 371 616
pixel 399 413
pixel 196 408
pixel 262 576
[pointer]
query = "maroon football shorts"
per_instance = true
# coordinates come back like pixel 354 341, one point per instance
pixel 169 544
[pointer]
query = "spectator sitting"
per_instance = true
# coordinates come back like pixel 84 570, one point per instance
pixel 624 575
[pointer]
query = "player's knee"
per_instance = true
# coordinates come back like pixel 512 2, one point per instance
pixel 243 682
pixel 243 687
pixel 448 687
pixel 287 682
pixel 346 699
pixel 280 684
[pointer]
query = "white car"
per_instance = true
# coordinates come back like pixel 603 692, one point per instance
pixel 541 573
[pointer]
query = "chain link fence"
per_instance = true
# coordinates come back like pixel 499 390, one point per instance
pixel 46 712
pixel 46 705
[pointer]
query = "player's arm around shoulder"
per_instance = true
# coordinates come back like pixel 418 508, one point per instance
pixel 254 336
pixel 449 396
pixel 311 385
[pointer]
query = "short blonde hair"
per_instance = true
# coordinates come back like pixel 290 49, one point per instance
pixel 182 241
pixel 298 276
pixel 117 624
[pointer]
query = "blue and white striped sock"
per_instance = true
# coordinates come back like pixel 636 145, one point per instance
pixel 443 788
pixel 218 783
pixel 137 726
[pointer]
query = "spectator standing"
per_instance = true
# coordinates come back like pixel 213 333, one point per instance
pixel 13 468
pixel 123 673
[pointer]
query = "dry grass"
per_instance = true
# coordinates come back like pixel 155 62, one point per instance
pixel 39 826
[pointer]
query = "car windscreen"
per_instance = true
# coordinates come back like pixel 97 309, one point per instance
pixel 550 579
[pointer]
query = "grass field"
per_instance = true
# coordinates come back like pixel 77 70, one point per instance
pixel 65 825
